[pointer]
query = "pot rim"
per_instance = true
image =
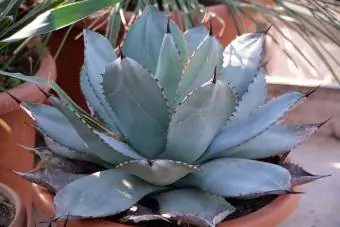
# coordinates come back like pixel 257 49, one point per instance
pixel 28 91
pixel 270 215
pixel 20 216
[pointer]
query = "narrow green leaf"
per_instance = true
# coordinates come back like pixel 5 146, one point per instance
pixel 62 95
pixel 67 152
pixel 45 83
pixel 5 21
pixel 55 125
pixel 59 17
pixel 95 144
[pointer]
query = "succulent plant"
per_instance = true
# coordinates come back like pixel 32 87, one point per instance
pixel 175 119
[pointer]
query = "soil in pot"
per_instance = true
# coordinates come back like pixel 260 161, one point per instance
pixel 243 208
pixel 7 211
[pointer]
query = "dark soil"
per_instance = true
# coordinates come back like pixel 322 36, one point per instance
pixel 243 207
pixel 7 211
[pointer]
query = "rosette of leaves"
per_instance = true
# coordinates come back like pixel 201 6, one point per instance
pixel 174 119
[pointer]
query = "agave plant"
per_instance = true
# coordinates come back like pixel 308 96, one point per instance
pixel 173 118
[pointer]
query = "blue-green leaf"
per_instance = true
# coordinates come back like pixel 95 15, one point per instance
pixel 101 194
pixel 67 152
pixel 144 38
pixel 242 130
pixel 97 55
pixel 241 61
pixel 136 98
pixel 277 139
pixel 204 62
pixel 117 145
pixel 197 120
pixel 233 177
pixel 158 172
pixel 193 206
pixel 95 144
pixel 169 68
pixel 55 125
pixel 50 179
pixel 253 98
pixel 194 37
pixel 48 159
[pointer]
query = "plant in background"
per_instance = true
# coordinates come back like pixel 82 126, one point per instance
pixel 315 21
pixel 20 20
pixel 173 119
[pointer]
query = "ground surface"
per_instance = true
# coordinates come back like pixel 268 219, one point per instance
pixel 320 206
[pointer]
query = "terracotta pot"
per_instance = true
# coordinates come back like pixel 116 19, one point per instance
pixel 20 218
pixel 13 131
pixel 226 31
pixel 268 216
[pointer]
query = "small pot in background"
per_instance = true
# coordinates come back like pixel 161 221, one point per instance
pixel 15 129
pixel 20 216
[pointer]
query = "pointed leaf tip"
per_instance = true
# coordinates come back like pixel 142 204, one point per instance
pixel 168 26
pixel 14 98
pixel 121 54
pixel 215 76
pixel 65 223
pixel 267 30
pixel 308 93
pixel 211 32
pixel 150 162
pixel 47 95
pixel 299 175
pixel 265 63
pixel 319 125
